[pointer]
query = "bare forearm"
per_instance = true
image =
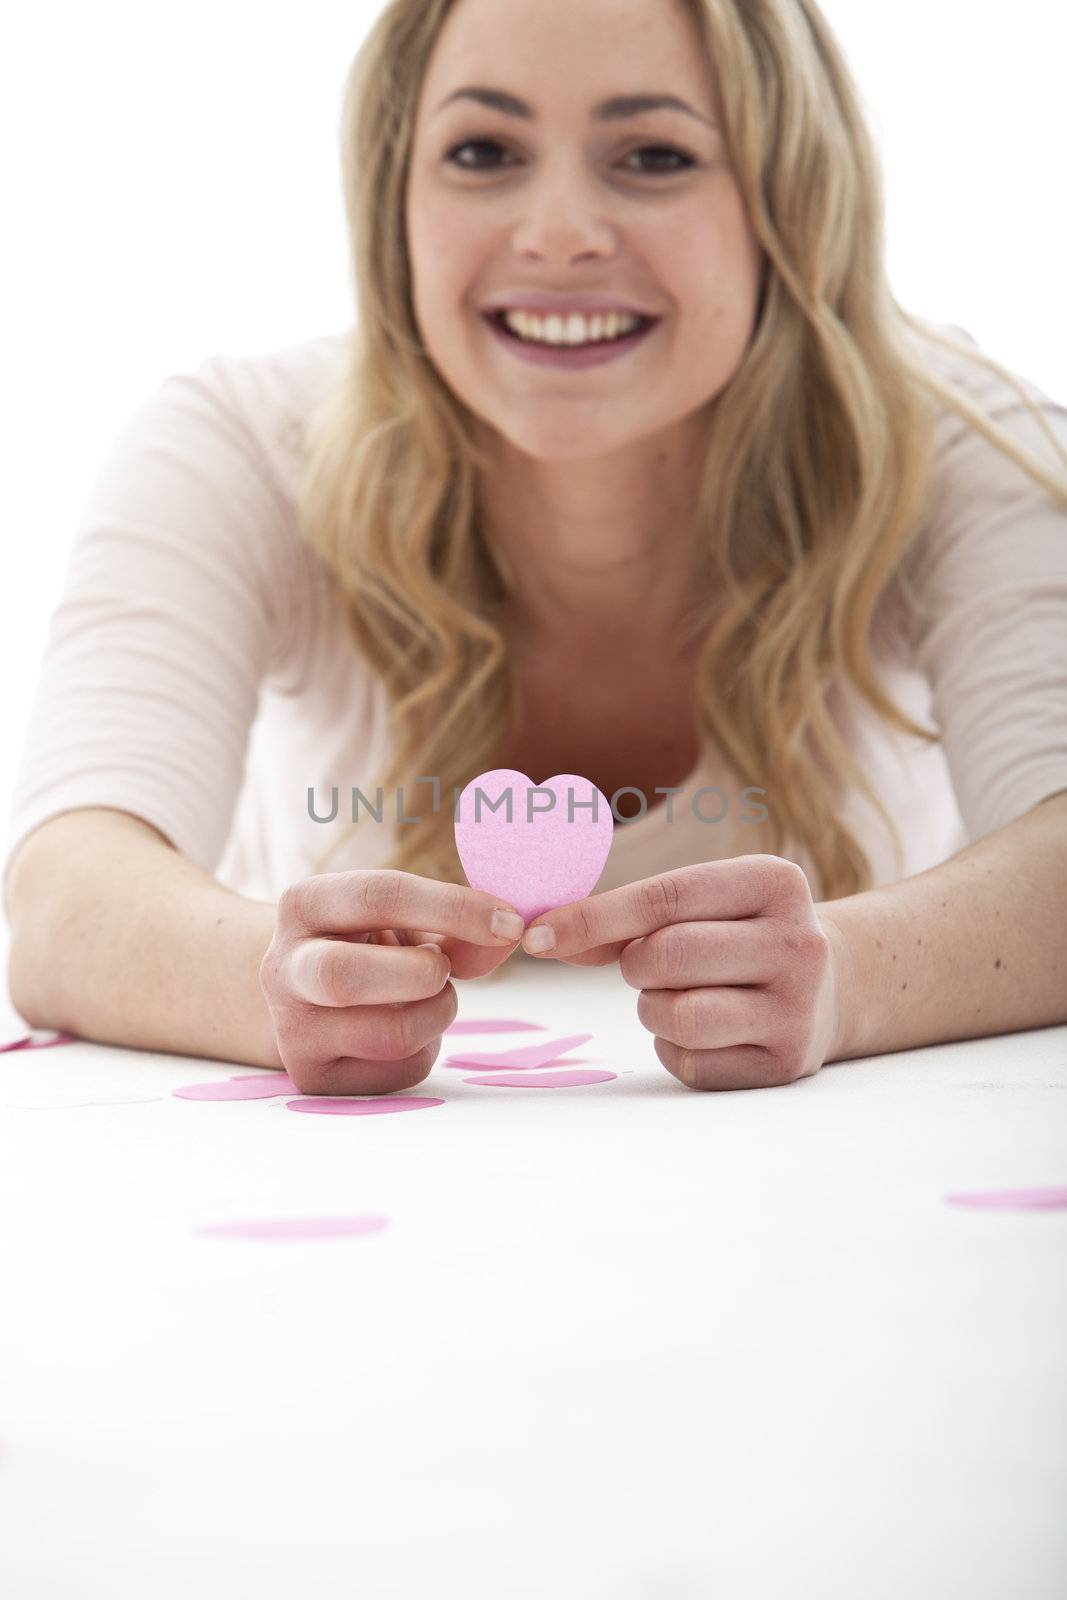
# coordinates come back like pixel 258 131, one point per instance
pixel 118 938
pixel 975 946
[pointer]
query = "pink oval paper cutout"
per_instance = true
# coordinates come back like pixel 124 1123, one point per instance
pixel 260 1087
pixel 511 1066
pixel 545 1080
pixel 1045 1199
pixel 27 1041
pixel 527 1055
pixel 344 1105
pixel 550 853
pixel 492 1025
pixel 294 1228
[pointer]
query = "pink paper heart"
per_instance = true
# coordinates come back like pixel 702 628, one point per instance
pixel 552 850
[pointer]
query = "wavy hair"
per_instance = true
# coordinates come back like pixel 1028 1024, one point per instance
pixel 813 487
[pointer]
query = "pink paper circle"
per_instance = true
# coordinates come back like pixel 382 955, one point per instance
pixel 511 1066
pixel 544 1080
pixel 26 1041
pixel 527 1055
pixel 343 1105
pixel 494 1025
pixel 260 1087
pixel 1046 1199
pixel 294 1228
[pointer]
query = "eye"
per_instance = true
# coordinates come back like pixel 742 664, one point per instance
pixel 492 144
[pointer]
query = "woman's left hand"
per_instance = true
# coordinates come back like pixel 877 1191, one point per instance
pixel 740 976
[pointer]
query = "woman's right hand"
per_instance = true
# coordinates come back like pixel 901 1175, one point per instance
pixel 358 1001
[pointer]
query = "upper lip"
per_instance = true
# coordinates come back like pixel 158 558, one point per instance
pixel 541 301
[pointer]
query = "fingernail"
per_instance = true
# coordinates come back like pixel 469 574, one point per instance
pixel 541 938
pixel 507 924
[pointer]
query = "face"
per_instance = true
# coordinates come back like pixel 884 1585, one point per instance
pixel 641 207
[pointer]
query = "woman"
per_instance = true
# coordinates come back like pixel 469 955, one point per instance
pixel 721 560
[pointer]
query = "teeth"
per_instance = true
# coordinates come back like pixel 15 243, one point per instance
pixel 572 329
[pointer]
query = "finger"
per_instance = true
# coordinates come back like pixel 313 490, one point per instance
pixel 745 1066
pixel 368 1049
pixel 336 972
pixel 688 955
pixel 709 1019
pixel 465 960
pixel 415 936
pixel 742 886
pixel 348 902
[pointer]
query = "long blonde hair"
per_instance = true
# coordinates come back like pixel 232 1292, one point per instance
pixel 814 483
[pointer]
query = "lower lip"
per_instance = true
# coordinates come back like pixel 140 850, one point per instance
pixel 554 355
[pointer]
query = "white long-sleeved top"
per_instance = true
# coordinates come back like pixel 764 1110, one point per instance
pixel 198 672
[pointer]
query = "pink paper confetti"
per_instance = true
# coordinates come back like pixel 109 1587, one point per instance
pixel 39 1039
pixel 295 1228
pixel 257 1087
pixel 344 1105
pixel 493 1025
pixel 527 1055
pixel 545 1080
pixel 511 1066
pixel 550 853
pixel 1013 1199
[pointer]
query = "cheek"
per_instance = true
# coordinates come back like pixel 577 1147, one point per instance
pixel 438 230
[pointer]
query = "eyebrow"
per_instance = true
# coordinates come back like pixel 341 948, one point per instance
pixel 613 109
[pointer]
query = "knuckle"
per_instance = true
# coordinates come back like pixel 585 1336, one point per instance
pixel 380 894
pixel 806 944
pixel 789 1064
pixel 787 1054
pixel 270 970
pixel 660 898
pixel 449 993
pixel 385 1038
pixel 327 970
pixel 582 927
pixel 291 905
pixel 687 1013
pixel 668 956
pixel 786 879
pixel 633 964
pixel 402 1034
pixel 307 1072
pixel 436 969
pixel 457 904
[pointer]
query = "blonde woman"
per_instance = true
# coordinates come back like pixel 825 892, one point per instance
pixel 727 555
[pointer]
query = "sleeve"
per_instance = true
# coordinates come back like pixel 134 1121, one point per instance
pixel 166 625
pixel 988 607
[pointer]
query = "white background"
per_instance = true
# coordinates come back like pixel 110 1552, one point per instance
pixel 619 1342
pixel 172 190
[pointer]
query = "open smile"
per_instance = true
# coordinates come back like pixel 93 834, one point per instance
pixel 593 354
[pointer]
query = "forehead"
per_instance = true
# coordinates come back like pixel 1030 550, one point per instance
pixel 562 56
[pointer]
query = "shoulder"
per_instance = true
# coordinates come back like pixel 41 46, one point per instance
pixel 1007 398
pixel 992 537
pixel 271 396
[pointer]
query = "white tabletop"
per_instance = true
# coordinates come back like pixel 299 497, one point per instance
pixel 621 1340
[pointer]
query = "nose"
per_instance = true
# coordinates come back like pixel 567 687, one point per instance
pixel 562 216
